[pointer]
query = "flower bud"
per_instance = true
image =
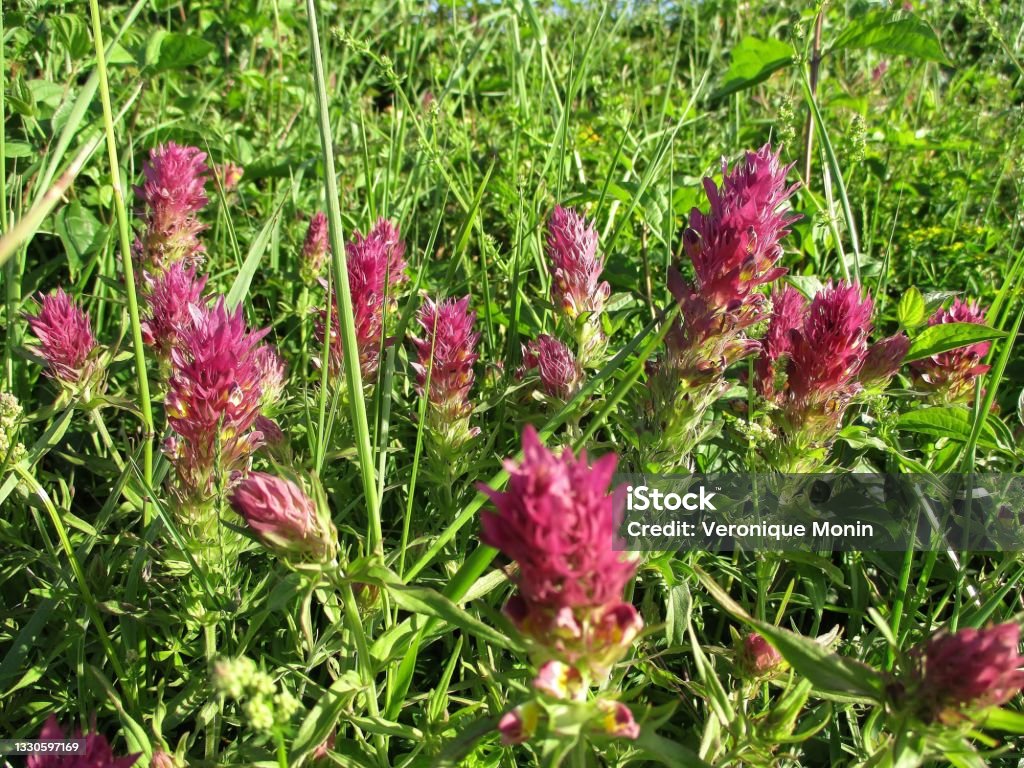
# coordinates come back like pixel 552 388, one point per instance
pixel 284 518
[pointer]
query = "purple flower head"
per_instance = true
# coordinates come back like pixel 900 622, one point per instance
pixel 574 264
pixel 557 520
pixel 213 398
pixel 734 247
pixel 173 192
pixel 97 754
pixel 65 338
pixel 315 248
pixel 519 724
pixel 829 350
pixel 755 658
pixel 952 375
pixel 446 352
pixel 560 374
pixel 273 373
pixel 376 267
pixel 169 297
pixel 883 360
pixel 970 669
pixel 788 311
pixel 283 517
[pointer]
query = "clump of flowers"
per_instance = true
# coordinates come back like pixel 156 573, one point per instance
pixel 267 708
pixel 97 753
pixel 955 676
pixel 173 192
pixel 577 291
pixel 734 249
pixel 11 451
pixel 376 268
pixel 213 400
pixel 66 342
pixel 558 521
pixel 170 297
pixel 810 368
pixel 285 518
pixel 952 376
pixel 445 354
pixel 560 374
pixel 316 247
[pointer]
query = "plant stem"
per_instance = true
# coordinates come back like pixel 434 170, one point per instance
pixel 350 350
pixel 126 258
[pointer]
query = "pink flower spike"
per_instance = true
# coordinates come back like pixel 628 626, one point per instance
pixel 65 338
pixel 97 754
pixel 970 669
pixel 575 266
pixel 883 360
pixel 273 373
pixel 283 517
pixel 560 374
pixel 169 297
pixel 446 353
pixel 558 521
pixel 315 248
pixel 788 310
pixel 952 376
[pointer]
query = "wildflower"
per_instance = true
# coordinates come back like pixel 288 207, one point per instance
pixel 315 248
pixel 446 353
pixel 883 360
pixel 734 249
pixel 560 374
pixel 65 339
pixel 376 268
pixel 163 759
pixel 169 297
pixel 576 288
pixel 213 399
pixel 559 681
pixel 228 175
pixel 756 658
pixel 173 192
pixel 968 670
pixel 273 373
pixel 520 724
pixel 788 310
pixel 284 517
pixel 11 450
pixel 97 754
pixel 617 720
pixel 557 520
pixel 826 353
pixel 951 375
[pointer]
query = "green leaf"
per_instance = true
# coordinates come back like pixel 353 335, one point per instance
pixel 178 50
pixel 80 232
pixel 1003 720
pixel 320 721
pixel 240 287
pixel 946 336
pixel 666 751
pixel 754 61
pixel 897 33
pixel 827 671
pixel 949 421
pixel 911 310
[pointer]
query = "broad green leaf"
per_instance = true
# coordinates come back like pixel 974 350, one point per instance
pixel 949 421
pixel 946 336
pixel 80 232
pixel 911 310
pixel 897 33
pixel 827 671
pixel 754 61
pixel 178 50
pixel 1003 720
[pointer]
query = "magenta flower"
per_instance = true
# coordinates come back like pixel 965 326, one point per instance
pixel 273 374
pixel 951 376
pixel 315 248
pixel 169 297
pixel 560 374
pixel 445 355
pixel 376 268
pixel 560 681
pixel 213 400
pixel 65 339
pixel 97 754
pixel 756 658
pixel 617 720
pixel 788 311
pixel 173 192
pixel 519 724
pixel 883 360
pixel 283 517
pixel 576 287
pixel 229 174
pixel 968 670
